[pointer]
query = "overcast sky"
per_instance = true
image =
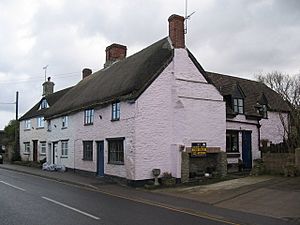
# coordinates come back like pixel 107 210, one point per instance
pixel 241 38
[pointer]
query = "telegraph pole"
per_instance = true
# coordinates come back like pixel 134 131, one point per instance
pixel 17 105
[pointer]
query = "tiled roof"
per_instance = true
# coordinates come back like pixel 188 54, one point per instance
pixel 254 92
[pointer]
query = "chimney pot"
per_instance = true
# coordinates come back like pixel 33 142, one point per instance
pixel 115 52
pixel 176 31
pixel 86 72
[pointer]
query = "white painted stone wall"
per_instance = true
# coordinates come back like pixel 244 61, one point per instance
pixel 101 129
pixel 28 135
pixel 272 128
pixel 240 123
pixel 179 108
pixel 59 134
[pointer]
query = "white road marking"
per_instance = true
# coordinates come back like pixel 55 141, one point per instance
pixel 13 186
pixel 69 207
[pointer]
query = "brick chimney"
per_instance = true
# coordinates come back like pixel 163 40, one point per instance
pixel 176 31
pixel 86 72
pixel 114 52
pixel 48 87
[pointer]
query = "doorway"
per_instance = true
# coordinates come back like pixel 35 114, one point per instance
pixel 100 158
pixel 247 149
pixel 35 150
pixel 54 152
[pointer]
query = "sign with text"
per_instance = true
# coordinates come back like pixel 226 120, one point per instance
pixel 199 149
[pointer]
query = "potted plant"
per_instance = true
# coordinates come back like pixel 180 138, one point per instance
pixel 167 179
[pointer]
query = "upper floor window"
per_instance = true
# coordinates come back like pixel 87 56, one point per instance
pixel 65 121
pixel 40 122
pixel 264 111
pixel 44 104
pixel 64 148
pixel 238 105
pixel 43 147
pixel 88 116
pixel 27 124
pixel 115 111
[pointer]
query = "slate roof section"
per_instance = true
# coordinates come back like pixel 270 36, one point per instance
pixel 51 99
pixel 125 79
pixel 252 90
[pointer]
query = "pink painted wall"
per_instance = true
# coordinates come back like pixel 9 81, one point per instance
pixel 272 128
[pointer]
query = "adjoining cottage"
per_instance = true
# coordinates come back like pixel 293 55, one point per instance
pixel 155 109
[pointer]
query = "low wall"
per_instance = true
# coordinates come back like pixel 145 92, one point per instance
pixel 212 162
pixel 274 163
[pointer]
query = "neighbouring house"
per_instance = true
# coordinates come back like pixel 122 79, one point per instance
pixel 34 129
pixel 254 114
pixel 2 141
pixel 155 109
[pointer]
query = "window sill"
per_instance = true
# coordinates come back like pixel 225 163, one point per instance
pixel 88 124
pixel 233 154
pixel 116 163
pixel 26 153
pixel 39 128
pixel 28 129
pixel 43 154
pixel 64 157
pixel 89 160
pixel 113 120
pixel 64 128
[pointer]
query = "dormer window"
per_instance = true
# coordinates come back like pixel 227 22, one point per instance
pixel 238 105
pixel 44 104
pixel 264 111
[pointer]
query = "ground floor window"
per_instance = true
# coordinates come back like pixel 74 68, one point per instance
pixel 64 148
pixel 88 150
pixel 26 147
pixel 232 141
pixel 43 148
pixel 116 151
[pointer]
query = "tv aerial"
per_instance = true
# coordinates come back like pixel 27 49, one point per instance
pixel 187 17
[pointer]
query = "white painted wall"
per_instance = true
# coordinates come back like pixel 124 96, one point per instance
pixel 179 107
pixel 28 135
pixel 240 123
pixel 272 128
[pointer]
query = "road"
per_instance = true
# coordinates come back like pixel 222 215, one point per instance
pixel 29 200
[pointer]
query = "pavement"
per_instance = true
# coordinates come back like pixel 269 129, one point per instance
pixel 276 197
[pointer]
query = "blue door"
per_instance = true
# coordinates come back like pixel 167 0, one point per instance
pixel 100 158
pixel 247 149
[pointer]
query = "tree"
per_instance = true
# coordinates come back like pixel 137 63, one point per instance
pixel 12 137
pixel 289 88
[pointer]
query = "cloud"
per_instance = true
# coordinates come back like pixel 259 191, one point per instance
pixel 232 37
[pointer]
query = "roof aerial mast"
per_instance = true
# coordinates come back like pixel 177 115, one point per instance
pixel 186 17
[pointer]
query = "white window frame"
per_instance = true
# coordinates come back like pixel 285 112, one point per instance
pixel 27 124
pixel 64 149
pixel 88 116
pixel 43 147
pixel 115 111
pixel 238 105
pixel 27 148
pixel 65 122
pixel 40 122
pixel 44 104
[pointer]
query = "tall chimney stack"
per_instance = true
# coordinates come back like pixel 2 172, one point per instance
pixel 115 52
pixel 176 31
pixel 48 87
pixel 86 72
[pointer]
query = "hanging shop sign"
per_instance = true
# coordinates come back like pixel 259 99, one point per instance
pixel 199 149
